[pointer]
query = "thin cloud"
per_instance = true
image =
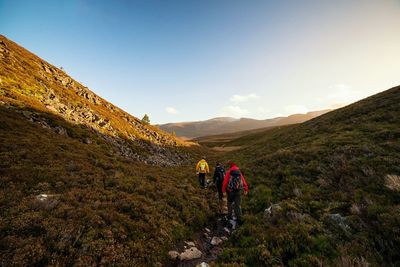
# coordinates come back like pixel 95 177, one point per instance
pixel 295 109
pixel 243 98
pixel 171 110
pixel 343 94
pixel 233 111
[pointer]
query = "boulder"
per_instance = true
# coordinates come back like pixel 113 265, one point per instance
pixel 190 254
pixel 173 254
pixel 190 244
pixel 203 264
pixel 215 241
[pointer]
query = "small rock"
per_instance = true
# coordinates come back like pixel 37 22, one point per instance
pixel 27 114
pixel 227 230
pixel 296 216
pixel 190 254
pixel 224 238
pixel 60 130
pixel 207 230
pixel 42 197
pixel 190 244
pixel 355 209
pixel 203 264
pixel 297 192
pixel 233 224
pixel 51 108
pixel 215 241
pixel 274 208
pixel 87 141
pixel 173 254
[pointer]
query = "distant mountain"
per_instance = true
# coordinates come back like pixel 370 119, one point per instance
pixel 222 125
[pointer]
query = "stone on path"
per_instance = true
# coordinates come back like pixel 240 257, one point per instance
pixel 233 223
pixel 190 254
pixel 215 241
pixel 190 244
pixel 173 254
pixel 203 264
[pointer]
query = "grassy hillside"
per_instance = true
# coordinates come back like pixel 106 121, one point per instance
pixel 28 81
pixel 100 208
pixel 334 186
pixel 236 139
pixel 82 182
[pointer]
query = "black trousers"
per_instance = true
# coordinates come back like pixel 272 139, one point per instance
pixel 219 188
pixel 234 200
pixel 202 179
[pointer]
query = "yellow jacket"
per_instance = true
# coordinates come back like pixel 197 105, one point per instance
pixel 202 167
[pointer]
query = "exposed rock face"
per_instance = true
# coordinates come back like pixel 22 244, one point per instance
pixel 39 85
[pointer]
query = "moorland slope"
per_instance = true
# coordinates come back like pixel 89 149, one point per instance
pixel 325 192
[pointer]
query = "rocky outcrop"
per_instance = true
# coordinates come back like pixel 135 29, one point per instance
pixel 30 81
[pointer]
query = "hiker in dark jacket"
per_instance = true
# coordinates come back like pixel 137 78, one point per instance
pixel 218 179
pixel 233 185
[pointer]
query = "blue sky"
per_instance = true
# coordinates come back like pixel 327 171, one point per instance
pixel 192 60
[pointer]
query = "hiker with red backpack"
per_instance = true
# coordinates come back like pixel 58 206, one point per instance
pixel 233 185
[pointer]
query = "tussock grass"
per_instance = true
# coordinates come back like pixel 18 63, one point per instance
pixel 393 182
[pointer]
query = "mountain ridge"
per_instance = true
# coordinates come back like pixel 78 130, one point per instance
pixel 225 125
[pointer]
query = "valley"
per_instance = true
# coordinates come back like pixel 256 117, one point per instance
pixel 85 183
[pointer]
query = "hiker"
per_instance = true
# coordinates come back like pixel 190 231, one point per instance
pixel 202 169
pixel 234 183
pixel 218 179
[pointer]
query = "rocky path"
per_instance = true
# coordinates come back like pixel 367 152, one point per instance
pixel 205 246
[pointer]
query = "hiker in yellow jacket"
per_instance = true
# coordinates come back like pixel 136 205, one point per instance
pixel 202 169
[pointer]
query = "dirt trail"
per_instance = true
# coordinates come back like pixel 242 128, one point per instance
pixel 209 242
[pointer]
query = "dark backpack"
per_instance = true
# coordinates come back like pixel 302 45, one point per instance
pixel 219 173
pixel 235 183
